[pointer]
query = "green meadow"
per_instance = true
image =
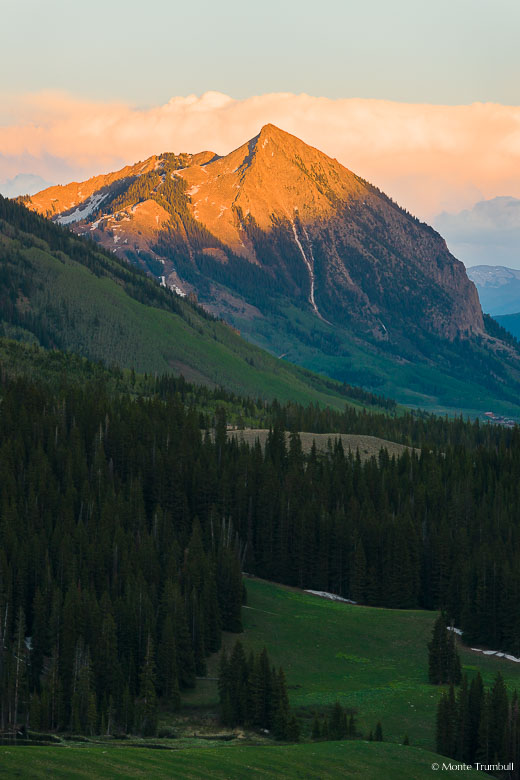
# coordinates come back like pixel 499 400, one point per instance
pixel 370 659
pixel 321 761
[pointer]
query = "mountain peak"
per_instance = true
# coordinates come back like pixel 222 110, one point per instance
pixel 273 176
pixel 268 128
pixel 272 131
pixel 290 143
pixel 333 240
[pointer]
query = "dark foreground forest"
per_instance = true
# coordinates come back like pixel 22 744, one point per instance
pixel 128 515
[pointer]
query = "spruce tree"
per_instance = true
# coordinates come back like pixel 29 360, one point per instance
pixel 485 746
pixel 437 653
pixel 35 713
pixel 184 647
pixel 451 746
pixel 446 726
pixel 338 722
pixel 261 683
pixel 453 669
pixel 20 682
pixel 499 715
pixel 280 704
pixel 316 730
pixel 108 669
pixel 238 675
pixel 463 722
pixel 126 712
pixel 359 573
pixel 293 730
pixel 146 705
pixel 198 636
pixel 443 658
pixel 91 719
pixel 475 704
pixel 224 689
pixel 514 730
pixel 167 672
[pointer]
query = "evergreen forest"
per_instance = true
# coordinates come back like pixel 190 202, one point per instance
pixel 480 726
pixel 127 518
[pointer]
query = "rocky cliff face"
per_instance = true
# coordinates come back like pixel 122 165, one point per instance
pixel 322 236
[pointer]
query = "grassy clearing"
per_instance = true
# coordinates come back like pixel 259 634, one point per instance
pixel 364 760
pixel 371 659
pixel 368 446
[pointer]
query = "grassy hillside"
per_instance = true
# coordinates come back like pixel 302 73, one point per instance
pixel 456 377
pixel 60 291
pixel 322 761
pixel 370 659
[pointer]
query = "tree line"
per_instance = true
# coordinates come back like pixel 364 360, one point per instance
pixel 253 693
pixel 480 725
pixel 112 594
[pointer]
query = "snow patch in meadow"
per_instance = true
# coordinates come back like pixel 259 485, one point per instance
pixel 496 653
pixel 330 596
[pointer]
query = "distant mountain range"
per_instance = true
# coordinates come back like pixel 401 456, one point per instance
pixel 307 260
pixel 498 288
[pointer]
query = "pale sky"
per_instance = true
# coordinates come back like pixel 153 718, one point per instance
pixel 441 51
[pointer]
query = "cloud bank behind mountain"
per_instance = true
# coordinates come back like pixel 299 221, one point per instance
pixel 23 184
pixel 429 158
pixel 487 234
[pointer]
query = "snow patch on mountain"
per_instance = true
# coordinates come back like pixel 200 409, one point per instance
pixel 492 275
pixel 83 211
